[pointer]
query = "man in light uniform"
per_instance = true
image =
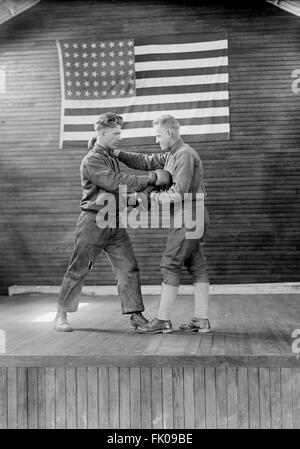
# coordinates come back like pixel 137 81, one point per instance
pixel 185 166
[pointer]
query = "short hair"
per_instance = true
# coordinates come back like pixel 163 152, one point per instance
pixel 108 120
pixel 167 121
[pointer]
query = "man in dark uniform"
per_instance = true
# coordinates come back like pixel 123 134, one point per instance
pixel 185 166
pixel 100 173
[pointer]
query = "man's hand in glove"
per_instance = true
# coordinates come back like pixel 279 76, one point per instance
pixel 160 178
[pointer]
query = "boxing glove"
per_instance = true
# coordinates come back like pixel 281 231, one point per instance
pixel 160 178
pixel 163 179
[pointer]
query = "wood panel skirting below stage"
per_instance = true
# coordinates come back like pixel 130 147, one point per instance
pixel 214 394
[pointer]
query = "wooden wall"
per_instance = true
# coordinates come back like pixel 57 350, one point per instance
pixel 87 397
pixel 252 180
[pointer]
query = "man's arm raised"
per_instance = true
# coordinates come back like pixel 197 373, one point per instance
pixel 109 180
pixel 140 161
pixel 136 161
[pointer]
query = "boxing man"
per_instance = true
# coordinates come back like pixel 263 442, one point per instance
pixel 100 173
pixel 185 166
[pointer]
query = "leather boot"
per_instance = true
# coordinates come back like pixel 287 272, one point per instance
pixel 156 326
pixel 137 319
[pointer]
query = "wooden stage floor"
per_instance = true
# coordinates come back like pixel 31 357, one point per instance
pixel 104 375
pixel 242 325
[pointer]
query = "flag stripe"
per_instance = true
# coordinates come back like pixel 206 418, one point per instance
pixel 182 80
pixel 171 90
pixel 179 56
pixel 185 63
pixel 181 72
pixel 137 132
pixel 137 142
pixel 150 115
pixel 148 123
pixel 92 113
pixel 123 102
pixel 190 47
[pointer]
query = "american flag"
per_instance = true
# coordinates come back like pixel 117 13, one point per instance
pixel 183 75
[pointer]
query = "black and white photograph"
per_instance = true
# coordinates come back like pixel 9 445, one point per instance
pixel 149 217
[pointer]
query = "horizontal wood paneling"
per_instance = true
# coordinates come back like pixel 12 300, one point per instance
pixel 252 180
pixel 174 397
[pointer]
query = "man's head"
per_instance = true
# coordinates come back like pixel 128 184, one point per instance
pixel 108 130
pixel 167 131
